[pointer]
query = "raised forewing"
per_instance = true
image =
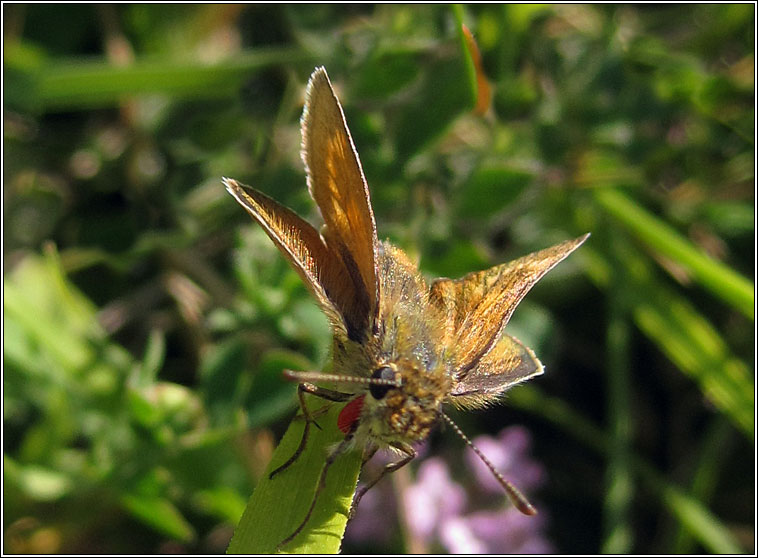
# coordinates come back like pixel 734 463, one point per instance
pixel 336 182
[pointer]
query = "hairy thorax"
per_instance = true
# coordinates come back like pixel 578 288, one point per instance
pixel 404 345
pixel 408 413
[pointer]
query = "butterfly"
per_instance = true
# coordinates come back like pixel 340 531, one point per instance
pixel 402 348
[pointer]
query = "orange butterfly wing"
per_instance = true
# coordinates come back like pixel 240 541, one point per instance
pixel 477 308
pixel 339 265
pixel 337 184
pixel 321 270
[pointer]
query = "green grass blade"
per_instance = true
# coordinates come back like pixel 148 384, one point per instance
pixel 618 536
pixel 716 277
pixel 699 522
pixel 684 335
pixel 278 505
pixel 693 516
pixel 717 443
pixel 466 56
pixel 66 84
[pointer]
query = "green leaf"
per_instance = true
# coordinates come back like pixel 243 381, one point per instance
pixel 448 89
pixel 160 514
pixel 279 505
pixel 223 379
pixel 385 73
pixel 454 259
pixel 38 297
pixel 490 189
pixel 220 501
pixel 271 397
pixel 43 484
pixel 152 362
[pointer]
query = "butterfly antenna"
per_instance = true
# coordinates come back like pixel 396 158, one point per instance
pixel 304 376
pixel 514 494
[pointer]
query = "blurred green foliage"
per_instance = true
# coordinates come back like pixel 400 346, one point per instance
pixel 146 321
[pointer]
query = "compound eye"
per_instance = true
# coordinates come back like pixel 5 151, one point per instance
pixel 385 373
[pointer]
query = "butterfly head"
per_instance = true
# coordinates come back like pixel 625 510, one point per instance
pixel 409 409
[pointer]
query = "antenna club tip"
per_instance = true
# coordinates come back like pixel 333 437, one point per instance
pixel 528 510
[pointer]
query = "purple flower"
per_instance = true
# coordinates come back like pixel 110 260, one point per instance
pixel 509 453
pixel 487 532
pixel 369 522
pixel 439 513
pixel 375 518
pixel 432 499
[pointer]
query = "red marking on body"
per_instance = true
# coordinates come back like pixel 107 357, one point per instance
pixel 350 414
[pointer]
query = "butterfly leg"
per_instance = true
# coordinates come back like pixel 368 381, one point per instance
pixel 368 453
pixel 333 455
pixel 302 389
pixel 410 454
